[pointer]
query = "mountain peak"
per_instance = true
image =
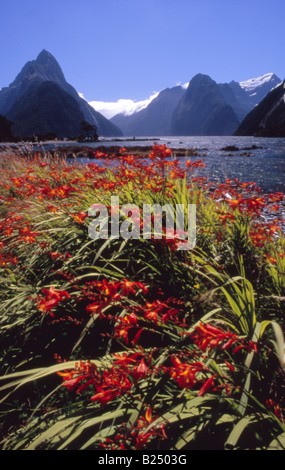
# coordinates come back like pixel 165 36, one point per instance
pixel 45 67
pixel 44 57
pixel 46 62
pixel 203 110
pixel 202 76
pixel 23 97
pixel 200 81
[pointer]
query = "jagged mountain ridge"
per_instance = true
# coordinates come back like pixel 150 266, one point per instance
pixel 221 109
pixel 45 69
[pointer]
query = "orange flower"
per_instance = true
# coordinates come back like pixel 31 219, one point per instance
pixel 79 218
pixel 124 325
pixel 208 337
pixel 224 218
pixel 113 384
pixel 184 373
pixel 52 298
pixel 235 203
pixel 129 287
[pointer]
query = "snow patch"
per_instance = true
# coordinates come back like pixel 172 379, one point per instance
pixel 252 83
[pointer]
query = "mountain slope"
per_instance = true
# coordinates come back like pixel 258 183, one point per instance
pixel 46 69
pixel 267 119
pixel 155 119
pixel 46 109
pixel 237 98
pixel 203 110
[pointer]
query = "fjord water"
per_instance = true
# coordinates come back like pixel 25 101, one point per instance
pixel 258 159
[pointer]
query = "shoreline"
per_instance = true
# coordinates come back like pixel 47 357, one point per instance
pixel 81 150
pixel 114 151
pixel 246 160
pixel 111 146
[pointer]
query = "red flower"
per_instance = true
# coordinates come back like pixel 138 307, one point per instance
pixel 126 360
pixel 160 152
pixel 80 217
pixel 230 366
pixel 184 373
pixel 207 385
pixel 113 384
pixel 124 325
pixel 208 337
pixel 129 287
pixel 83 372
pixel 52 298
pixel 105 396
pixel 141 370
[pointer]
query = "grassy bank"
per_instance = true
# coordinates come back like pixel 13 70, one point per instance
pixel 132 343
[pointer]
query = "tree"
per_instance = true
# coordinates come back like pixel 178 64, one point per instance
pixel 88 128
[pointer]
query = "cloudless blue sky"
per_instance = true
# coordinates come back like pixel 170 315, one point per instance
pixel 112 49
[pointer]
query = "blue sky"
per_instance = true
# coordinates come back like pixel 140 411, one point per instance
pixel 112 49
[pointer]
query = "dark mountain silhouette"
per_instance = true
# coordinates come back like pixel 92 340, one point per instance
pixel 203 110
pixel 45 69
pixel 6 134
pixel 155 119
pixel 46 109
pixel 267 119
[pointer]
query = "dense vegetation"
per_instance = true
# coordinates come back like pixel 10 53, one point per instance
pixel 131 343
pixel 6 134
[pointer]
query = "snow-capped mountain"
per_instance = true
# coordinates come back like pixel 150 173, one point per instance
pixel 251 84
pixel 171 112
pixel 267 119
pixel 252 91
pixel 257 88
